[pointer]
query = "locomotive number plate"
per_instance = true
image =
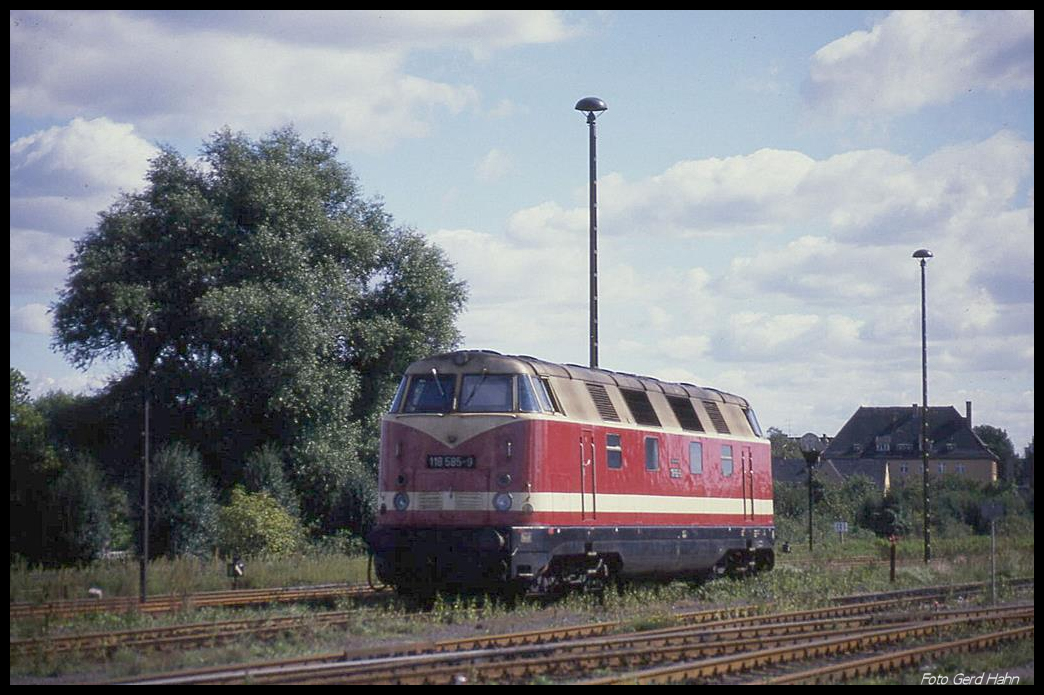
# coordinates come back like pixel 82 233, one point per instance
pixel 451 462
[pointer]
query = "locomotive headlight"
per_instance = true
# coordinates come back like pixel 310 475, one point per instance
pixel 502 501
pixel 401 501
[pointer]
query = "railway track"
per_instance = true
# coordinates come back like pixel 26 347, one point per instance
pixel 702 668
pixel 895 660
pixel 214 633
pixel 570 653
pixel 167 604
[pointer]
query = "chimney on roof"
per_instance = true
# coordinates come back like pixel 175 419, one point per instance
pixel 967 411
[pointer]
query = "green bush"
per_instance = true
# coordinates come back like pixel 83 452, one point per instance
pixel 182 506
pixel 254 524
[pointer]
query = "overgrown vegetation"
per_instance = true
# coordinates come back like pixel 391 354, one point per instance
pixel 957 508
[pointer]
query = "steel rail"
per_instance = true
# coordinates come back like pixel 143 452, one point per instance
pixel 521 662
pixel 704 668
pixel 709 619
pixel 567 660
pixel 881 664
pixel 166 604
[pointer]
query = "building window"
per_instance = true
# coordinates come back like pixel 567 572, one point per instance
pixel 904 468
pixel 726 460
pixel 613 451
pixel 942 468
pixel 695 458
pixel 652 454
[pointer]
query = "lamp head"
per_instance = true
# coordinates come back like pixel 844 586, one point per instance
pixel 591 105
pixel 922 253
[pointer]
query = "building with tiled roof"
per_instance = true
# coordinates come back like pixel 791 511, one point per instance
pixel 888 439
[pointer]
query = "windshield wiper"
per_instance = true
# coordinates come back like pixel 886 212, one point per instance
pixel 475 388
pixel 438 382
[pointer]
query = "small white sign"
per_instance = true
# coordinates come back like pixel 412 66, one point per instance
pixel 840 527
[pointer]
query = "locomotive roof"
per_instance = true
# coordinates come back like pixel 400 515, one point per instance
pixel 496 362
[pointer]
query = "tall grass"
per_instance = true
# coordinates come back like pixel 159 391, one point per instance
pixel 180 576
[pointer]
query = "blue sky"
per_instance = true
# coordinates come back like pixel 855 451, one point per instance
pixel 764 178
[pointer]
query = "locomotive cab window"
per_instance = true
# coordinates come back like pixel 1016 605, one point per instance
pixel 726 459
pixel 430 393
pixel 399 394
pixel 532 398
pixel 487 393
pixel 753 420
pixel 613 451
pixel 544 387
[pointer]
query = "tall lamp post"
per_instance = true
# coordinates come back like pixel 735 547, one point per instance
pixel 811 447
pixel 594 107
pixel 923 255
pixel 144 336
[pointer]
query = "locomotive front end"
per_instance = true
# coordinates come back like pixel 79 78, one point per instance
pixel 455 470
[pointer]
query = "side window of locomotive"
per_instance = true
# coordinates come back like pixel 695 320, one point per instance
pixel 397 401
pixel 613 451
pixel 753 420
pixel 696 458
pixel 652 454
pixel 726 459
pixel 549 393
pixel 486 393
pixel 532 398
pixel 430 394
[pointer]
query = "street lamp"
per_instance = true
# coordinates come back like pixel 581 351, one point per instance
pixel 811 447
pixel 593 106
pixel 923 255
pixel 145 336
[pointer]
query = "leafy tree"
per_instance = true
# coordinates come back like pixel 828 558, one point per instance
pixel 33 466
pixel 783 446
pixel 79 526
pixel 264 301
pixel 1000 445
pixel 59 503
pixel 889 515
pixel 264 472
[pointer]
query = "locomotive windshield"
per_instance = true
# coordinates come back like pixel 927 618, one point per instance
pixel 430 394
pixel 479 393
pixel 486 393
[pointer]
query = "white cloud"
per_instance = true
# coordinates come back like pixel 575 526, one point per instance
pixel 38 261
pixel 85 158
pixel 478 31
pixel 831 317
pixel 60 179
pixel 753 192
pixel 181 74
pixel 916 58
pixel 31 318
pixel 494 166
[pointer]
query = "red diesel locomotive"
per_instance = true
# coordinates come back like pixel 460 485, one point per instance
pixel 510 473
